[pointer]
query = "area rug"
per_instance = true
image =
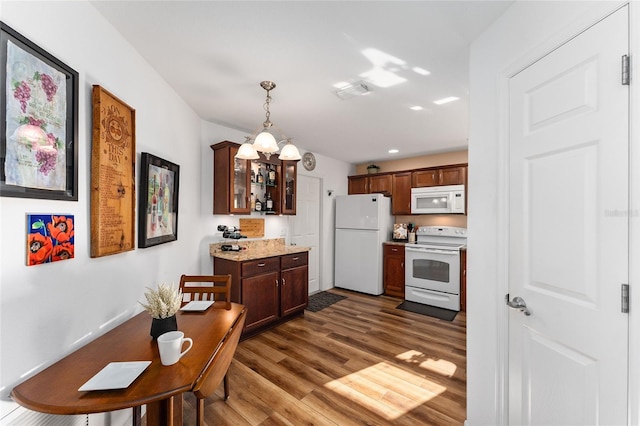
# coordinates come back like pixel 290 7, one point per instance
pixel 432 311
pixel 319 301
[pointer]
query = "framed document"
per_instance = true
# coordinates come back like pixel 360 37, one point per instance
pixel 158 209
pixel 38 127
pixel 113 170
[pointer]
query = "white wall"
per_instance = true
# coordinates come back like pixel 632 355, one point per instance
pixel 47 311
pixel 525 32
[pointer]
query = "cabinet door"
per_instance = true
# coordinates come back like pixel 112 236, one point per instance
pixel 289 187
pixel 453 176
pixel 393 270
pixel 231 180
pixel 401 199
pixel 294 292
pixel 380 184
pixel 358 185
pixel 421 178
pixel 260 296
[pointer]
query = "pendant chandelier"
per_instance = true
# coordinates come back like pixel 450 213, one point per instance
pixel 263 138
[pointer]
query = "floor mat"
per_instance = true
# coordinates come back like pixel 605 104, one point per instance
pixel 432 311
pixel 321 300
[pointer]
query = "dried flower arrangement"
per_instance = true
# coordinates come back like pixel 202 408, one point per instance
pixel 163 302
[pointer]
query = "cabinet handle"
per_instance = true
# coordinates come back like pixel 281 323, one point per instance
pixel 260 265
pixel 394 249
pixel 277 283
pixel 296 258
pixel 283 282
pixel 402 264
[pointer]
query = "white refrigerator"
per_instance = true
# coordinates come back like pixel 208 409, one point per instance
pixel 363 223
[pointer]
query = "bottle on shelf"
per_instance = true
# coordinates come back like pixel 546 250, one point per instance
pixel 269 202
pixel 260 177
pixel 253 202
pixel 258 207
pixel 253 175
pixel 272 175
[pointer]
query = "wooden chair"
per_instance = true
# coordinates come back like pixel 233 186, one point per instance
pixel 220 285
pixel 218 367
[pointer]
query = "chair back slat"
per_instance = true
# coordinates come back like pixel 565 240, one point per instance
pixel 205 287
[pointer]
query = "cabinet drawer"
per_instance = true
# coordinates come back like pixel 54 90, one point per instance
pixel 294 260
pixel 260 266
pixel 393 250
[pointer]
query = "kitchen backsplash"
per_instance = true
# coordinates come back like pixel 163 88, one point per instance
pixel 458 220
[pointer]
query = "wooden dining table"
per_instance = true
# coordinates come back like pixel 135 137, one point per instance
pixel 55 389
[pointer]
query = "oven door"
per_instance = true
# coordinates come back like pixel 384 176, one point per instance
pixel 432 269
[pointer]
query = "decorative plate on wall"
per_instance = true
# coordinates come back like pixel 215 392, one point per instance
pixel 309 161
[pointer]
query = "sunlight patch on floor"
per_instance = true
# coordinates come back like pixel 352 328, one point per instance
pixel 379 390
pixel 440 366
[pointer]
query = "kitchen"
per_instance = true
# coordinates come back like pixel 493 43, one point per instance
pixel 108 289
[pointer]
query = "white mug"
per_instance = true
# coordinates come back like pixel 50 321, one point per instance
pixel 170 346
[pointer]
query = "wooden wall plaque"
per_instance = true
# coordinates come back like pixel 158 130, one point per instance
pixel 252 228
pixel 113 171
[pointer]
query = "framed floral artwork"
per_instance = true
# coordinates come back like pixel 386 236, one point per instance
pixel 38 129
pixel 50 238
pixel 158 201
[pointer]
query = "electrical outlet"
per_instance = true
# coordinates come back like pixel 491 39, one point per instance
pixel 283 232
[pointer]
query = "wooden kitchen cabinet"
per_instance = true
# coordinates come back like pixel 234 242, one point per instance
pixel 371 184
pixel 294 283
pixel 393 270
pixel 448 175
pixel 272 289
pixel 401 193
pixel 289 184
pixel 232 184
pixel 231 180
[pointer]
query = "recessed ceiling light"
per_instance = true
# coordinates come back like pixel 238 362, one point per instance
pixel 445 100
pixel 416 108
pixel 393 151
pixel 420 71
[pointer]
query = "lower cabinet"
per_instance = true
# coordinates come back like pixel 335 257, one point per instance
pixel 393 270
pixel 272 289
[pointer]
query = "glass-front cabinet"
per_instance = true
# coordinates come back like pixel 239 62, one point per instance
pixel 263 186
pixel 230 180
pixel 289 181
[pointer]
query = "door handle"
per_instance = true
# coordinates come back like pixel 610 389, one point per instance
pixel 517 303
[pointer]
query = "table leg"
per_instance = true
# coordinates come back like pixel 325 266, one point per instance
pixel 137 416
pixel 167 412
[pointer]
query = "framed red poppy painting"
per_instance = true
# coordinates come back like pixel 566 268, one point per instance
pixel 50 238
pixel 38 127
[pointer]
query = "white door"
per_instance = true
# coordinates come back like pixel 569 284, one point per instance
pixel 305 225
pixel 568 247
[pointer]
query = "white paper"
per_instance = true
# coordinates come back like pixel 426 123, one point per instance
pixel 197 305
pixel 116 375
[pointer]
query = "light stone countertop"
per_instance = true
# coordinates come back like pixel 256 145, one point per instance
pixel 255 249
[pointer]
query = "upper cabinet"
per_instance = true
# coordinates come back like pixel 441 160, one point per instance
pixel 447 175
pixel 398 184
pixel 242 186
pixel 371 184
pixel 231 180
pixel 401 193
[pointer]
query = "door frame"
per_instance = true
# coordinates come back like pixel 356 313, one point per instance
pixel 568 32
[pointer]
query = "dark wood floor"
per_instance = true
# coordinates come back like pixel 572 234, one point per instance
pixel 357 362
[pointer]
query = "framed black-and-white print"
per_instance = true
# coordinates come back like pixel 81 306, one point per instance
pixel 38 130
pixel 158 201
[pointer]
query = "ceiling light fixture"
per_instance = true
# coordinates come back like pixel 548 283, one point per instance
pixel 264 141
pixel 351 90
pixel 445 100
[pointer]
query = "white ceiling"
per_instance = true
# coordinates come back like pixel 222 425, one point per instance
pixel 215 54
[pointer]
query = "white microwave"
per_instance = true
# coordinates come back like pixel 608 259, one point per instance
pixel 438 200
